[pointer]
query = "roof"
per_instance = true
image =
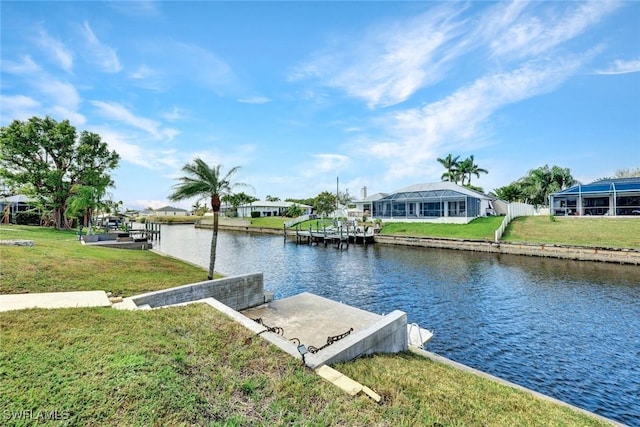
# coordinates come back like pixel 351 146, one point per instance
pixel 437 189
pixel 604 186
pixel 20 198
pixel 371 198
pixel 170 209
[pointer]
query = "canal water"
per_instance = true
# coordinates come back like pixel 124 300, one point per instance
pixel 567 329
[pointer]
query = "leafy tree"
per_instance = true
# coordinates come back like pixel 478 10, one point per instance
pixel 84 201
pixel 325 203
pixel 51 159
pixel 451 164
pixel 536 187
pixel 308 202
pixel 270 198
pixel 510 193
pixel 344 198
pixel 199 209
pixel 203 181
pixel 628 173
pixel 623 173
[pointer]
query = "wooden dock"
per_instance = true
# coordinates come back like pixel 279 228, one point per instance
pixel 339 236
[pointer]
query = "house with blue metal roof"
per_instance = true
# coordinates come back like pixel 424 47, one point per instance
pixel 610 197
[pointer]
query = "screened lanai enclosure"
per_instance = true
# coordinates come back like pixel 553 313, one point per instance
pixel 442 201
pixel 611 197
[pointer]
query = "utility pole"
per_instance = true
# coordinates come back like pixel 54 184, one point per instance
pixel 337 195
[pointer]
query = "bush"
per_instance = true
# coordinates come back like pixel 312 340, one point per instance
pixel 27 218
pixel 255 214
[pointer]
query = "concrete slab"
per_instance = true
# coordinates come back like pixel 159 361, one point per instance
pixel 311 318
pixel 54 300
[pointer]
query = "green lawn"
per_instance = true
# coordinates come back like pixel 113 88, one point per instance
pixel 599 232
pixel 59 262
pixel 479 229
pixel 269 222
pixel 191 365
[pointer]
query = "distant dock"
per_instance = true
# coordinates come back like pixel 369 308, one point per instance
pixel 339 236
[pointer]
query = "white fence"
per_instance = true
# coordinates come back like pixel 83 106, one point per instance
pixel 299 219
pixel 514 210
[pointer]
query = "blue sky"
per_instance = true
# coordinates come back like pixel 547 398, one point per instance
pixel 299 93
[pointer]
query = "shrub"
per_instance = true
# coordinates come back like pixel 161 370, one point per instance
pixel 27 218
pixel 255 214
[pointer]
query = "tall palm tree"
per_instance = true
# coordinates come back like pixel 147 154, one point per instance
pixel 451 164
pixel 203 181
pixel 468 167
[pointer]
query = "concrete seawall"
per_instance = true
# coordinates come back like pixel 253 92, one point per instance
pixel 580 253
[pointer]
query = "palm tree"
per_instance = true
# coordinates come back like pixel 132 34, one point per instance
pixel 450 163
pixel 468 167
pixel 203 181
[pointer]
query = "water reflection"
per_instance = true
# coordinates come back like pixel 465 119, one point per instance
pixel 564 328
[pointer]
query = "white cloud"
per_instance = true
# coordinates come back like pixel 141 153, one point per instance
pixel 511 30
pixel 255 100
pixel 18 107
pixel 175 114
pixel 416 136
pixel 127 150
pixel 116 111
pixel 622 67
pixel 204 67
pixel 148 78
pixel 392 61
pixel 323 164
pixel 26 65
pixel 57 50
pixel 105 56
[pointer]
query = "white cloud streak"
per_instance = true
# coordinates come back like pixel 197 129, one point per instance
pixel 104 56
pixel 116 111
pixel 622 67
pixel 57 50
pixel 512 30
pixel 254 100
pixel 18 107
pixel 389 63
pixel 416 135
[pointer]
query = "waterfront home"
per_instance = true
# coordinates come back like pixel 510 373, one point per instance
pixel 429 202
pixel 170 211
pixel 610 197
pixel 264 208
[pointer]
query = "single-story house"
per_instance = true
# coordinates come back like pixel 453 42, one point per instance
pixel 11 205
pixel 270 208
pixel 429 202
pixel 611 197
pixel 170 211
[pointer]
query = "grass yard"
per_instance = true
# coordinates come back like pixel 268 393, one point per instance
pixel 482 228
pixel 191 365
pixel 269 222
pixel 58 262
pixel 600 232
